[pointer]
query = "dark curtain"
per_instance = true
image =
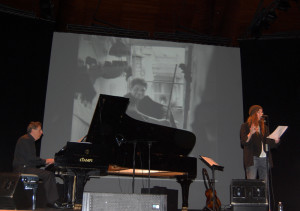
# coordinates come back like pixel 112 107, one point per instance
pixel 270 75
pixel 24 55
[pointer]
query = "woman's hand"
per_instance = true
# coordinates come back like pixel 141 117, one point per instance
pixel 253 130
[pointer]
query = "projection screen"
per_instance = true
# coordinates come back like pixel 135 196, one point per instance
pixel 200 84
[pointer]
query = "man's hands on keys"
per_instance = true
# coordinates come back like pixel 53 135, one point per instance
pixel 49 161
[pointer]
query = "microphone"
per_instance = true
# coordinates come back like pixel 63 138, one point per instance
pixel 266 148
pixel 266 119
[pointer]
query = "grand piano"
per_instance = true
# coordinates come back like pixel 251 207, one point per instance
pixel 114 143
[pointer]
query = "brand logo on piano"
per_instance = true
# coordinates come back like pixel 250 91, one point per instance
pixel 86 160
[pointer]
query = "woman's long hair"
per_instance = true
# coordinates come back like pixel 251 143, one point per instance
pixel 254 120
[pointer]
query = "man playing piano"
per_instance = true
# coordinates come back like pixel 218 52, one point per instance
pixel 25 161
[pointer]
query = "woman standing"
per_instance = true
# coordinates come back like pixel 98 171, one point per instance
pixel 253 136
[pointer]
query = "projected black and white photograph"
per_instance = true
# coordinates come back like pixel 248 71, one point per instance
pixel 154 77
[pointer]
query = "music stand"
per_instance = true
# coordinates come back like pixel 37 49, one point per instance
pixel 149 144
pixel 213 166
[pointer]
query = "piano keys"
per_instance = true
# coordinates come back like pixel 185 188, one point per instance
pixel 113 143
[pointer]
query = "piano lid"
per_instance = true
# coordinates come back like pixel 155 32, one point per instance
pixel 112 128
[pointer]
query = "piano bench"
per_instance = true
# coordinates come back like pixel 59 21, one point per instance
pixel 30 182
pixel 13 190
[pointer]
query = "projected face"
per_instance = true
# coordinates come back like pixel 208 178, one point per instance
pixel 138 91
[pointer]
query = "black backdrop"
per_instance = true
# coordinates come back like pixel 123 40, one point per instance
pixel 271 79
pixel 24 55
pixel 269 74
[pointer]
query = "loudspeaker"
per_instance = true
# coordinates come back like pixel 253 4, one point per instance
pixel 172 195
pixel 248 195
pixel 125 202
pixel 12 192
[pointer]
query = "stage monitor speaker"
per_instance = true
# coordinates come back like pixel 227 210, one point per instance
pixel 172 195
pixel 125 202
pixel 12 192
pixel 248 195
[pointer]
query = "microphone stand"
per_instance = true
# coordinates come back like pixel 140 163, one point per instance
pixel 149 143
pixel 133 166
pixel 149 162
pixel 268 168
pixel 213 187
pixel 268 176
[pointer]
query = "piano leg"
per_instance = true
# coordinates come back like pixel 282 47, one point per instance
pixel 80 180
pixel 185 186
pixel 68 196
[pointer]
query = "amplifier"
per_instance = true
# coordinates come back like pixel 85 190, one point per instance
pixel 248 195
pixel 125 202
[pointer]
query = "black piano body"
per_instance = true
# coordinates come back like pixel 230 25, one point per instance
pixel 113 144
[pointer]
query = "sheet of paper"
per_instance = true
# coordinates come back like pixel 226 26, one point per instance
pixel 278 132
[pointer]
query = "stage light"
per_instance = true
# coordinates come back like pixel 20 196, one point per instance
pixel 283 5
pixel 271 16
